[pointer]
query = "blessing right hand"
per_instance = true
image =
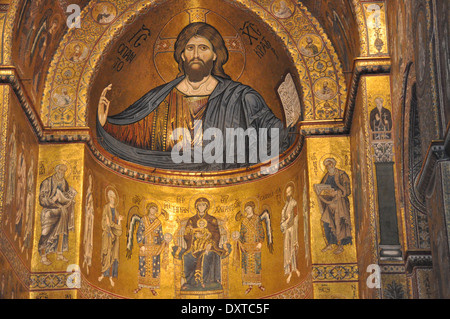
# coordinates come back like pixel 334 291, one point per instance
pixel 103 106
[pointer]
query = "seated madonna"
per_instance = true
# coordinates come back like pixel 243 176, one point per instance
pixel 201 250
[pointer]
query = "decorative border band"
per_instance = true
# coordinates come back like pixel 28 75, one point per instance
pixel 361 67
pixel 340 273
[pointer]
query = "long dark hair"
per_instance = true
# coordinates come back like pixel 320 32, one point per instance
pixel 209 32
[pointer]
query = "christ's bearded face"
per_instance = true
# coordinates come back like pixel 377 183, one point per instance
pixel 198 58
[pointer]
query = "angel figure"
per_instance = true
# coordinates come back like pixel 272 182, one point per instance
pixel 152 245
pixel 249 243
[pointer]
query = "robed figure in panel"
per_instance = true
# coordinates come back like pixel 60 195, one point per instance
pixel 333 192
pixel 289 228
pixel 111 233
pixel 249 244
pixel 152 243
pixel 56 198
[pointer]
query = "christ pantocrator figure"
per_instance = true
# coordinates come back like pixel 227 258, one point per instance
pixel 202 93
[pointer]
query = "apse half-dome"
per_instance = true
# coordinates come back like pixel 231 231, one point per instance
pixel 140 78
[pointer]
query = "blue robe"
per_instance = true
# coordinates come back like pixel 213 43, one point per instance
pixel 231 105
pixel 150 235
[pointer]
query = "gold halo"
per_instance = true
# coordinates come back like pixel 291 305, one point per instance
pixel 148 201
pixel 235 235
pixel 291 183
pixel 289 4
pixel 248 199
pixel 113 188
pixel 70 48
pixel 53 165
pixel 31 154
pixel 164 74
pixel 338 159
pixel 111 9
pixel 212 203
pixel 385 99
pixel 317 40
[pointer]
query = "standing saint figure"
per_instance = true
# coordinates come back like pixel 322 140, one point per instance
pixel 150 238
pixel 57 216
pixel 250 242
pixel 202 96
pixel 88 239
pixel 380 121
pixel 289 228
pixel 112 230
pixel 29 208
pixel 21 188
pixel 333 192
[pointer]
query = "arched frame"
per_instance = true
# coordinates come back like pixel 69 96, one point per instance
pixel 98 38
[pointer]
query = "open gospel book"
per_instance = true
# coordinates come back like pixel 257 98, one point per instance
pixel 290 100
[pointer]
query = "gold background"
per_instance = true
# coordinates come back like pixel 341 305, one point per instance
pixel 176 200
pixel 50 156
pixel 318 150
pixel 137 78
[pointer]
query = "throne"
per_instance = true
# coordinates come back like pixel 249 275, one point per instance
pixel 219 291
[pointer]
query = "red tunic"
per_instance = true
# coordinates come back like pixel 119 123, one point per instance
pixel 155 130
